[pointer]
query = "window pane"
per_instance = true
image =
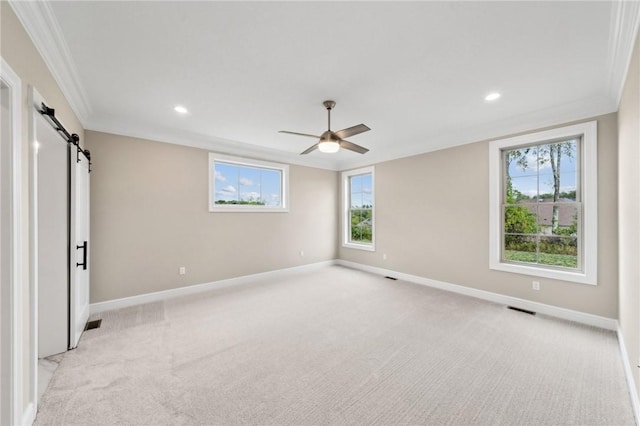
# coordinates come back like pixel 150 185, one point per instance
pixel 520 220
pixel 366 231
pixel 356 230
pixel 520 248
pixel 558 219
pixel 562 155
pixel 538 230
pixel 559 251
pixel 226 176
pixel 566 184
pixel 249 186
pixel 366 183
pixel 245 185
pixel 361 226
pixel 521 162
pixel 359 200
pixel 367 200
pixel 521 189
pixel 356 183
pixel 271 186
pixel 356 200
pixel 356 192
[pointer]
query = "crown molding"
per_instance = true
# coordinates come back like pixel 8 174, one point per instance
pixel 41 25
pixel 117 126
pixel 559 115
pixel 625 17
pixel 527 122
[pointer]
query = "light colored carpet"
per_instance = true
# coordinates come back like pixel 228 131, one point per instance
pixel 337 346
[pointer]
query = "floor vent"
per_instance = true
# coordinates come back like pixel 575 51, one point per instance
pixel 391 278
pixel 521 310
pixel 93 324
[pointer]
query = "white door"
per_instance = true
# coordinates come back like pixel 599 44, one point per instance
pixel 52 239
pixel 80 247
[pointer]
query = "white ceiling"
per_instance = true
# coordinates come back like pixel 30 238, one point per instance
pixel 415 72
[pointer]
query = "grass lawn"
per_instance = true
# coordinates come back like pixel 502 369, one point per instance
pixel 566 261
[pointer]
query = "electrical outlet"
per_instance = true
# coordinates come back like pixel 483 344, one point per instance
pixel 535 285
pixel 182 270
pixel 301 253
pixel 384 256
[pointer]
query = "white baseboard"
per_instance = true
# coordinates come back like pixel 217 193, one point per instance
pixel 126 302
pixel 568 314
pixel 628 372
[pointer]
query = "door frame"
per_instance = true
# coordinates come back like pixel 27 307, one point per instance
pixel 13 381
pixel 35 101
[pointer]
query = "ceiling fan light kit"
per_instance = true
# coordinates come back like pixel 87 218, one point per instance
pixel 329 141
pixel 328 147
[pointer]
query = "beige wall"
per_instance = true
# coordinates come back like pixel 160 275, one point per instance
pixel 629 208
pixel 149 216
pixel 17 49
pixel 432 220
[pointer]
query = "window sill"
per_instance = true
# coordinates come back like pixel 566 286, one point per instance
pixel 576 277
pixel 239 209
pixel 365 247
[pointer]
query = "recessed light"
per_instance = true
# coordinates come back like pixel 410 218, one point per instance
pixel 180 109
pixel 492 96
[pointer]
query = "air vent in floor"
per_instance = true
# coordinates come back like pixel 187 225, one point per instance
pixel 93 324
pixel 521 310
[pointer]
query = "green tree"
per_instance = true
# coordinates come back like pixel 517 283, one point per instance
pixel 361 225
pixel 517 219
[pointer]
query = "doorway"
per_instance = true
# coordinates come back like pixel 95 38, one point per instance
pixel 59 222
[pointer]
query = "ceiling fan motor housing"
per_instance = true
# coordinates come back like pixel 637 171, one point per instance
pixel 329 104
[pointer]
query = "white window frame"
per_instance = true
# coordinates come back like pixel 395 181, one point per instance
pixel 588 168
pixel 346 204
pixel 238 208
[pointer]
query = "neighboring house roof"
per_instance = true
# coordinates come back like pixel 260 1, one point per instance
pixel 566 214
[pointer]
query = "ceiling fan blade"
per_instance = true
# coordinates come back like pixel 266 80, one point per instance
pixel 299 134
pixel 352 131
pixel 310 149
pixel 353 147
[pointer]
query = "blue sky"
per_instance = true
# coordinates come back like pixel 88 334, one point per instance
pixel 361 191
pixel 235 182
pixel 537 179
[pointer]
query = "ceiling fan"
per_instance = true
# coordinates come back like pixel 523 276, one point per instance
pixel 332 141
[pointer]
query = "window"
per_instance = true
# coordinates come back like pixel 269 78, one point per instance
pixel 543 204
pixel 239 185
pixel 358 222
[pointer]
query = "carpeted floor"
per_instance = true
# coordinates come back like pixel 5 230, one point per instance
pixel 337 346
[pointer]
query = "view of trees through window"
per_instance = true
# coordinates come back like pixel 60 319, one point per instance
pixel 361 208
pixel 542 205
pixel 245 185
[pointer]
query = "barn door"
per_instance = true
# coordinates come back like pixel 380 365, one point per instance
pixel 80 246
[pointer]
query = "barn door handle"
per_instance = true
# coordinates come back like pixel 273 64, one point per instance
pixel 84 255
